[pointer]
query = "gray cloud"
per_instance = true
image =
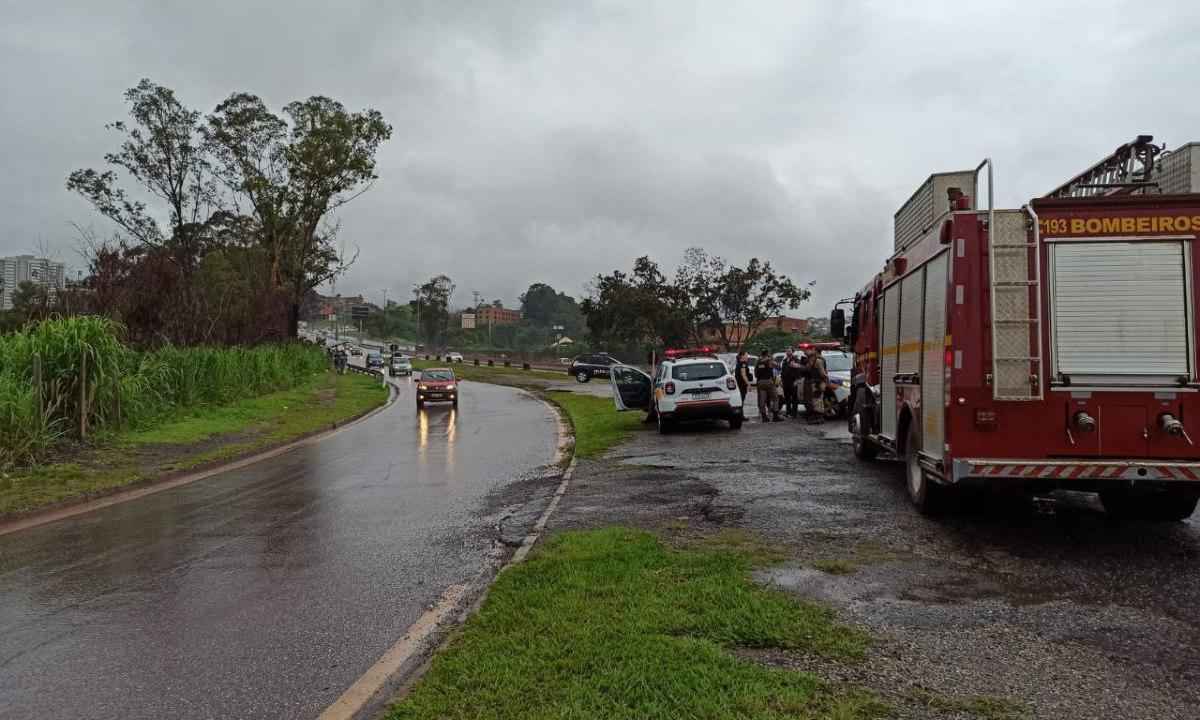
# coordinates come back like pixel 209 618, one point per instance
pixel 550 141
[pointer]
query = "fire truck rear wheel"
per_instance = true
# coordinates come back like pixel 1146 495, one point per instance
pixel 925 494
pixel 1165 506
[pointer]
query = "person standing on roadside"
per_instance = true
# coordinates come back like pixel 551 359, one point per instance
pixel 814 393
pixel 764 377
pixel 741 374
pixel 790 375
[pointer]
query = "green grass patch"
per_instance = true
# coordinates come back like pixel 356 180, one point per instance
pixel 499 374
pixel 200 435
pixel 984 707
pixel 613 624
pixel 598 426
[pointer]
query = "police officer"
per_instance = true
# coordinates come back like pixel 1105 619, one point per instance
pixel 764 378
pixel 814 387
pixel 790 376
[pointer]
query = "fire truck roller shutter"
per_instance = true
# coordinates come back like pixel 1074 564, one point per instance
pixel 1121 309
pixel 889 336
pixel 912 316
pixel 933 379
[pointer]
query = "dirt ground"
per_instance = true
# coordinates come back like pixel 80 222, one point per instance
pixel 994 611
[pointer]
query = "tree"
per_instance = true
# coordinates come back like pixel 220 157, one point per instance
pixel 31 302
pixel 293 174
pixel 431 305
pixel 636 309
pixel 162 152
pixel 750 295
pixel 544 307
pixel 707 296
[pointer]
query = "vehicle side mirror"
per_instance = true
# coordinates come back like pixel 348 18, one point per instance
pixel 837 323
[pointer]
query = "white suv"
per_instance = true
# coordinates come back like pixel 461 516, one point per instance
pixel 692 387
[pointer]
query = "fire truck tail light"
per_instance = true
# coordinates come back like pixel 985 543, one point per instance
pixel 985 418
pixel 669 388
pixel 730 384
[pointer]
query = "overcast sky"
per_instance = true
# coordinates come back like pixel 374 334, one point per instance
pixel 550 141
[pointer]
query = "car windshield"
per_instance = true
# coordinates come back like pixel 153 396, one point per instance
pixel 699 371
pixel 437 375
pixel 837 361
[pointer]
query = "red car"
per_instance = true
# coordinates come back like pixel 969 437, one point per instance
pixel 437 385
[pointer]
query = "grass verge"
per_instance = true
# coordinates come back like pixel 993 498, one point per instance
pixel 613 624
pixel 498 375
pixel 597 424
pixel 202 435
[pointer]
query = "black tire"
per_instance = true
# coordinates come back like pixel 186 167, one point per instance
pixel 420 404
pixel 926 495
pixel 664 425
pixel 454 404
pixel 864 448
pixel 735 422
pixel 1170 505
pixel 583 376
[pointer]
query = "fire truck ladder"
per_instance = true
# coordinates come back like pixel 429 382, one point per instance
pixel 1015 270
pixel 1127 170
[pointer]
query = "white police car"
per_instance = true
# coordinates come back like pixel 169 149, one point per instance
pixel 687 385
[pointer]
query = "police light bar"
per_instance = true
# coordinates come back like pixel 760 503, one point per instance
pixel 675 353
pixel 819 346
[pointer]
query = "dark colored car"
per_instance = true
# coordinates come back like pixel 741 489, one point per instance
pixel 586 367
pixel 374 360
pixel 437 385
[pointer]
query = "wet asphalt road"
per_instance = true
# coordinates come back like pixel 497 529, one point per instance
pixel 263 592
pixel 1069 615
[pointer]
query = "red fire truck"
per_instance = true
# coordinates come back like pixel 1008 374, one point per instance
pixel 1048 347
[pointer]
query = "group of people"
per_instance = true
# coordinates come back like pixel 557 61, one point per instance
pixel 783 386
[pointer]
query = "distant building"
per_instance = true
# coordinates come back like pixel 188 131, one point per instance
pixel 27 268
pixel 496 315
pixel 818 326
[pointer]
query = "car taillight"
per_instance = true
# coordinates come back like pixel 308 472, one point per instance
pixel 669 388
pixel 730 384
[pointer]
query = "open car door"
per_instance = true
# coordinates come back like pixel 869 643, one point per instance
pixel 631 388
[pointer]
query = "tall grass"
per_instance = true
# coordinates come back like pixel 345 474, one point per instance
pixel 67 377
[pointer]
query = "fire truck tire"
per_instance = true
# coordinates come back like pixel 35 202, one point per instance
pixel 926 495
pixel 864 449
pixel 1166 506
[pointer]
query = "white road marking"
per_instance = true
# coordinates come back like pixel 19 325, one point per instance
pixel 413 642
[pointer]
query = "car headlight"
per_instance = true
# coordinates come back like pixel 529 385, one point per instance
pixel 422 387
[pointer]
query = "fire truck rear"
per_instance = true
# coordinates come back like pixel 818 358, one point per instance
pixel 1042 348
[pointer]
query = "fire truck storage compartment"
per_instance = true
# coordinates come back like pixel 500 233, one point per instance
pixel 912 343
pixel 889 336
pixel 1120 311
pixel 933 362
